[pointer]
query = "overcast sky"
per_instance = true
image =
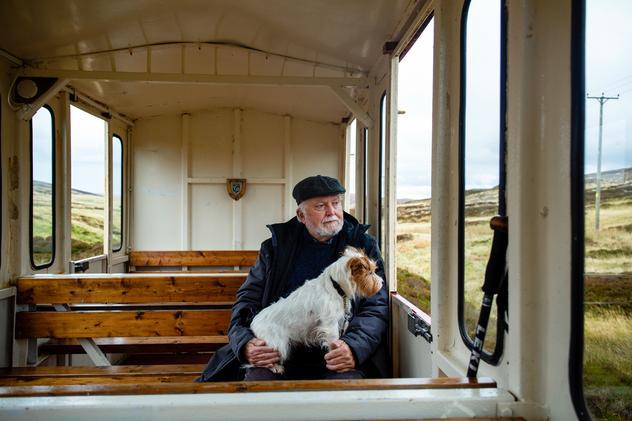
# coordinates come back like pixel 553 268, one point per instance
pixel 609 70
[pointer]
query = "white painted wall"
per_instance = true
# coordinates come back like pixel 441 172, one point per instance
pixel 181 164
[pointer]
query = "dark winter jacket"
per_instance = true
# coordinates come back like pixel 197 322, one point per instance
pixel 366 334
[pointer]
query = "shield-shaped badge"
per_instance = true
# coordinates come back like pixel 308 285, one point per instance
pixel 236 187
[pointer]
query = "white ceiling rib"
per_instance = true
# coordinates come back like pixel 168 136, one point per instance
pixel 275 55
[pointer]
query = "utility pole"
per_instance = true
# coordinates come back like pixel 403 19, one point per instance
pixel 602 100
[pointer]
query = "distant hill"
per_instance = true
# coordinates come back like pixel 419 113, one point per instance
pixel 43 187
pixel 615 184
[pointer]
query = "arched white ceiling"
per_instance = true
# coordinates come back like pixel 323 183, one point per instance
pixel 310 38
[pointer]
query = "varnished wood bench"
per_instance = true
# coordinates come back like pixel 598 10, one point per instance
pixel 208 261
pixel 158 379
pixel 126 313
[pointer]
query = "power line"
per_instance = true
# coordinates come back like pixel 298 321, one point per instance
pixel 602 100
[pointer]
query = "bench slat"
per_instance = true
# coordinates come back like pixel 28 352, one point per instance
pixel 128 370
pixel 155 387
pixel 138 345
pixel 193 258
pixel 97 380
pixel 129 289
pixel 94 324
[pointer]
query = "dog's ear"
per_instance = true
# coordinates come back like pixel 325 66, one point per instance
pixel 363 273
pixel 359 265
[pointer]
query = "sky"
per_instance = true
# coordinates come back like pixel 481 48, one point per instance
pixel 87 149
pixel 609 70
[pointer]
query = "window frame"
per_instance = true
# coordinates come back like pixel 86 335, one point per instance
pixel 501 324
pixel 53 192
pixel 120 138
pixel 577 151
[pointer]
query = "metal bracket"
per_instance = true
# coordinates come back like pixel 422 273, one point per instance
pixel 418 327
pixel 81 266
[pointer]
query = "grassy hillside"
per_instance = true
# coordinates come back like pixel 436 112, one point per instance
pixel 87 223
pixel 608 284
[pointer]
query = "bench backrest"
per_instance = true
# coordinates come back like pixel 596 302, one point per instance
pixel 125 305
pixel 214 260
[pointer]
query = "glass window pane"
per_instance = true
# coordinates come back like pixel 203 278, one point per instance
pixel 365 181
pixel 382 177
pixel 481 165
pixel 608 210
pixel 352 156
pixel 117 193
pixel 42 188
pixel 414 160
pixel 88 136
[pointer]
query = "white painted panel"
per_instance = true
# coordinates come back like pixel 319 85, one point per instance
pixel 103 63
pixel 262 145
pixel 199 59
pixel 317 148
pixel 211 217
pixel 166 59
pixel 211 143
pixel 263 64
pixel 321 405
pixel 131 61
pixel 156 184
pixel 414 353
pixel 232 61
pixel 262 205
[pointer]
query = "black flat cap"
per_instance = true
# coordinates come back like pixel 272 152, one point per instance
pixel 316 185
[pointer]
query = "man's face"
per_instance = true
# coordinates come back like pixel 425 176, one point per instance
pixel 322 216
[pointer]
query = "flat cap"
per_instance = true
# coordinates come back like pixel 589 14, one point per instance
pixel 316 185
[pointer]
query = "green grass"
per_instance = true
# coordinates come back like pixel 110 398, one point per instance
pixel 87 220
pixel 608 285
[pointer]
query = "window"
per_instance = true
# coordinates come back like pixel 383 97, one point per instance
pixel 414 160
pixel 481 173
pixel 117 193
pixel 365 172
pixel 351 168
pixel 88 137
pixel 42 204
pixel 381 233
pixel 601 173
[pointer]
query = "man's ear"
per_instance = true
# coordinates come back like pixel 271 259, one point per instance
pixel 300 215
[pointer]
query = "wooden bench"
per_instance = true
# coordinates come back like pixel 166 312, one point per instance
pixel 125 313
pixel 158 379
pixel 208 261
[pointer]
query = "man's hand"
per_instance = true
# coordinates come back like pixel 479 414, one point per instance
pixel 260 355
pixel 339 358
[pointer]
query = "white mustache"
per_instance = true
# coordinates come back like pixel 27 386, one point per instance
pixel 331 219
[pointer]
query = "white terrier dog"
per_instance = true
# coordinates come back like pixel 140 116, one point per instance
pixel 319 311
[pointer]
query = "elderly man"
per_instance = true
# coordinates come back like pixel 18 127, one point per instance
pixel 298 250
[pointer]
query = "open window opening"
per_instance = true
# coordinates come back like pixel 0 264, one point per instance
pixel 88 137
pixel 601 343
pixel 414 165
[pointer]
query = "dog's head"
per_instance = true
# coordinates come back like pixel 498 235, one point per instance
pixel 362 271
